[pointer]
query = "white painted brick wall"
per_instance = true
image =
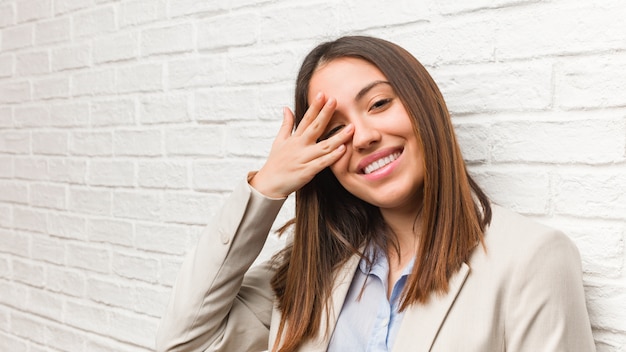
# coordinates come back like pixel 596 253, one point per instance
pixel 124 124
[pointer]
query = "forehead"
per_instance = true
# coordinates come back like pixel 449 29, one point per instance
pixel 343 76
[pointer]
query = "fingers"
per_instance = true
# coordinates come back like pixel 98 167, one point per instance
pixel 287 126
pixel 317 116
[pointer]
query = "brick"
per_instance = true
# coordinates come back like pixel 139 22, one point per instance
pixel 70 57
pixel 111 173
pixel 14 142
pixel 30 220
pixel 92 258
pixel 188 7
pixel 64 6
pixel 591 193
pixel 96 343
pixel 164 108
pixel 67 170
pixel 591 82
pixel 113 293
pixel 91 23
pixel 241 28
pixel 7 63
pixel 116 47
pixel 48 196
pixel 9 342
pixel 28 272
pixel 45 304
pixel 188 208
pixel 566 31
pixel 170 239
pixel 198 140
pixel 250 140
pixel 269 103
pixel 64 339
pixel 52 31
pixel 31 168
pixel 140 78
pixel 163 174
pixel 14 192
pixel 497 87
pixel 6 167
pixel 48 249
pixel 136 267
pixel 453 7
pixel 137 205
pixel 474 141
pixel 523 190
pixel 17 37
pixel 67 226
pixel 606 308
pixel 261 67
pixel 151 300
pixel 197 72
pixel 110 231
pixel 50 143
pixel 167 40
pixel 220 175
pixel 32 63
pixel 17 243
pixel 69 115
pixel 66 281
pixel 138 142
pixel 87 316
pixel 94 82
pixel 7 15
pixel 227 104
pixel 113 112
pixel 133 328
pixel 559 141
pixel 90 201
pixel 142 11
pixel 6 217
pixel 28 10
pixel 91 143
pixel 31 116
pixel 15 92
pixel 50 88
pixel 28 326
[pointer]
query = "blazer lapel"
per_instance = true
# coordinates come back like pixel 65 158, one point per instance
pixel 343 279
pixel 421 322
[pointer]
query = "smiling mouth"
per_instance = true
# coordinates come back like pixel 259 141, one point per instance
pixel 381 162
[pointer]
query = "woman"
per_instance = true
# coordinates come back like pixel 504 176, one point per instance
pixel 394 246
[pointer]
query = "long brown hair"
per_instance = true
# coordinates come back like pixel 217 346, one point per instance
pixel 331 225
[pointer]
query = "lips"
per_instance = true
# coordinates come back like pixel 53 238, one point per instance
pixel 378 160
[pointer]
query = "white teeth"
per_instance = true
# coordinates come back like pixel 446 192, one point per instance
pixel 380 163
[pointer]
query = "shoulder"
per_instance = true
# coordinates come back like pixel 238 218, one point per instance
pixel 514 232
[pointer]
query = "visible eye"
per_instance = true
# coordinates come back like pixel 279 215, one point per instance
pixel 379 104
pixel 330 133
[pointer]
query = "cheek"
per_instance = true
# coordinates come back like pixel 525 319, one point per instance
pixel 340 167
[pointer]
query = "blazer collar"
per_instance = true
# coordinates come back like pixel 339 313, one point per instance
pixel 341 285
pixel 421 322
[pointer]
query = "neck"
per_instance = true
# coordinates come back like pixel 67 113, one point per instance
pixel 406 227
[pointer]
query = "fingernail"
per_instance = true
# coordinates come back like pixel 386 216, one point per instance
pixel 318 96
pixel 348 129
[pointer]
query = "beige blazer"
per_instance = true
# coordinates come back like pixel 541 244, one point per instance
pixel 524 293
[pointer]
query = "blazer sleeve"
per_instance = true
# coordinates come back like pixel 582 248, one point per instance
pixel 546 308
pixel 218 303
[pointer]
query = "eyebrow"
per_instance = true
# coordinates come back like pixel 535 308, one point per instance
pixel 369 87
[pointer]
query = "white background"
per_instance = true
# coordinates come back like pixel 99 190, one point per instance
pixel 123 124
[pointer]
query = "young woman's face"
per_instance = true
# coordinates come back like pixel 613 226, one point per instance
pixel 383 164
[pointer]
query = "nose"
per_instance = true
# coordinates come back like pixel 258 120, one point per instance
pixel 365 135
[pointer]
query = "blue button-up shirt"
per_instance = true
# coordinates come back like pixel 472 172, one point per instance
pixel 370 324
